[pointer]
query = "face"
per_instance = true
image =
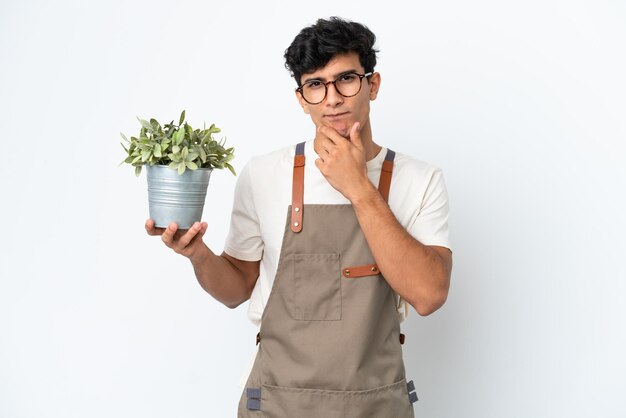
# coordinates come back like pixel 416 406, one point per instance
pixel 335 110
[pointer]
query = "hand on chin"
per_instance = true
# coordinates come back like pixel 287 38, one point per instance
pixel 342 127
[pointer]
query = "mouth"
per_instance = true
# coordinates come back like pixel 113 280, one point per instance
pixel 335 116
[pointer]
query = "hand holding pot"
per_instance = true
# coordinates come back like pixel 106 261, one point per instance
pixel 185 242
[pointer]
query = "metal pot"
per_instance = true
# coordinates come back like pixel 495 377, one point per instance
pixel 176 197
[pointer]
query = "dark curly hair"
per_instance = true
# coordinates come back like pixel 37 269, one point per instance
pixel 317 44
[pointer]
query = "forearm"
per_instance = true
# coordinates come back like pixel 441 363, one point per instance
pixel 415 271
pixel 220 278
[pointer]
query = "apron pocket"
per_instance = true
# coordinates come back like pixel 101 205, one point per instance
pixel 390 401
pixel 316 287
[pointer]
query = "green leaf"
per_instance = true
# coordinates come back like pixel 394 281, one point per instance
pixel 145 155
pixel 179 146
pixel 138 170
pixel 179 136
pixel 207 136
pixel 230 167
pixel 197 149
pixel 155 124
pixel 192 156
pixel 145 124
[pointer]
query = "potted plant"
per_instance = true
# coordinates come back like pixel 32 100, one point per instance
pixel 179 161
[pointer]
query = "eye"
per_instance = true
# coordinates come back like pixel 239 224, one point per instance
pixel 313 85
pixel 347 78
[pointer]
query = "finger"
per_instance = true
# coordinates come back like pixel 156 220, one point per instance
pixel 149 225
pixel 355 135
pixel 324 146
pixel 201 232
pixel 168 235
pixel 331 134
pixel 189 235
pixel 328 134
pixel 320 164
pixel 198 237
pixel 151 229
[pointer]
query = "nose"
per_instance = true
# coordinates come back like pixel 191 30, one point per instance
pixel 333 98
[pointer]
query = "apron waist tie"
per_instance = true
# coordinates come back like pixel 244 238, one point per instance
pixel 402 338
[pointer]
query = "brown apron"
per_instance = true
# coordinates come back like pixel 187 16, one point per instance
pixel 330 342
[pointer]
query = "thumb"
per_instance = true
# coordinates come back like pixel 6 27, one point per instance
pixel 355 135
pixel 203 228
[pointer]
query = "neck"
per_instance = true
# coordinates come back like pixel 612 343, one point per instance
pixel 371 148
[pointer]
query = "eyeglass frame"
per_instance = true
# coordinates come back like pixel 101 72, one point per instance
pixel 361 77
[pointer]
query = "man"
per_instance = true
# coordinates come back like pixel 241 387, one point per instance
pixel 330 240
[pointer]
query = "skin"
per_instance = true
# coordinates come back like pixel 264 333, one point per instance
pixel 420 274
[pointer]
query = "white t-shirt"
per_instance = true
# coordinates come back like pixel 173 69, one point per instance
pixel 417 198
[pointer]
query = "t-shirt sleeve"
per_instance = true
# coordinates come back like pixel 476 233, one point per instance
pixel 244 240
pixel 430 224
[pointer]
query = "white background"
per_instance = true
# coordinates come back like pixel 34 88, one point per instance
pixel 522 104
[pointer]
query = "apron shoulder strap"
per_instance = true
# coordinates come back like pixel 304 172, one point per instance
pixel 385 174
pixel 297 191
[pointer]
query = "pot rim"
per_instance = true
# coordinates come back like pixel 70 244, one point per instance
pixel 173 169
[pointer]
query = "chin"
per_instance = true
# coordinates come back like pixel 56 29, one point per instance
pixel 342 128
pixel 344 132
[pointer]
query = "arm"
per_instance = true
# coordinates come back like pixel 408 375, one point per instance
pixel 227 279
pixel 420 274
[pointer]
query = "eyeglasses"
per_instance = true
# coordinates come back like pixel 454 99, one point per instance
pixel 348 85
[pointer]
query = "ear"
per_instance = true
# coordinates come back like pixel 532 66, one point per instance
pixel 303 103
pixel 374 83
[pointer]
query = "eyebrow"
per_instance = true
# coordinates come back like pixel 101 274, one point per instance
pixel 336 76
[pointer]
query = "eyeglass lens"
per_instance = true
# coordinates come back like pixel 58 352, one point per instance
pixel 346 84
